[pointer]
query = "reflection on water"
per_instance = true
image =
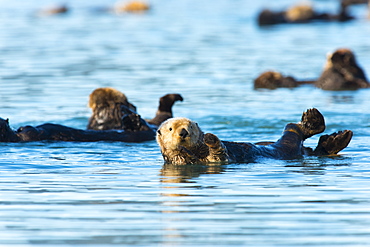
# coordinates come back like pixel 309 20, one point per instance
pixel 70 194
pixel 185 174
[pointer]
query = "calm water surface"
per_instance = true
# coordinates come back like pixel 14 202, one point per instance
pixel 107 193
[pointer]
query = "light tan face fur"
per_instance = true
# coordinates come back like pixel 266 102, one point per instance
pixel 177 132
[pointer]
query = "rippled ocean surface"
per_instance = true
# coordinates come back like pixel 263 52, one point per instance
pixel 109 193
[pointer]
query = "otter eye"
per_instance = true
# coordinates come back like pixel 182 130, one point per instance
pixel 170 129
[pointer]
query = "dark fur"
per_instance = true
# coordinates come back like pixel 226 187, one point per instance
pixel 269 17
pixel 109 106
pixel 342 73
pixel 164 111
pixel 182 142
pixel 136 130
pixel 273 80
pixel 290 145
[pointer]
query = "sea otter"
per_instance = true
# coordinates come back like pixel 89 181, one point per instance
pixel 182 142
pixel 341 72
pixel 130 7
pixel 110 105
pixel 274 79
pixel 53 10
pixel 301 13
pixel 114 119
pixel 136 130
pixel 107 104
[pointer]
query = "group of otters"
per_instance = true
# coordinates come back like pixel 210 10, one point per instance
pixel 181 140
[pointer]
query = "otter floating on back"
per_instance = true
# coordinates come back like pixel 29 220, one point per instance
pixel 182 142
pixel 341 72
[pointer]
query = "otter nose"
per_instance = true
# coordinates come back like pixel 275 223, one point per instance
pixel 184 133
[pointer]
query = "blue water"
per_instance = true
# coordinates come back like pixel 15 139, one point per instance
pixel 108 193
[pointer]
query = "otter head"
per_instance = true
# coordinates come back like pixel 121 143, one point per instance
pixel 175 133
pixel 343 57
pixel 6 133
pixel 273 80
pixel 108 97
pixel 299 13
pixel 340 58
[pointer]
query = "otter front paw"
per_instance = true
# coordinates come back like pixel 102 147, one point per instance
pixel 131 122
pixel 211 140
pixel 332 144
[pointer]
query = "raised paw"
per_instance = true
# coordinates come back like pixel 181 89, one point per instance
pixel 332 144
pixel 133 122
pixel 211 140
pixel 312 123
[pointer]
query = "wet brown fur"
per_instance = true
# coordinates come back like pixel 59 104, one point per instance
pixel 302 13
pixel 106 104
pixel 110 106
pixel 164 111
pixel 273 80
pixel 182 142
pixel 341 72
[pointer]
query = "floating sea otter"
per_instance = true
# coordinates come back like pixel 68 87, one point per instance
pixel 57 132
pixel 341 72
pixel 182 142
pixel 274 79
pixel 110 105
pixel 113 119
pixel 302 13
pixel 53 10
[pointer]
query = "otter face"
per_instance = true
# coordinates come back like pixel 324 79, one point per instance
pixel 176 132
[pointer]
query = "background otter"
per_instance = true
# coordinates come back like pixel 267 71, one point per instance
pixel 341 72
pixel 111 111
pixel 301 13
pixel 57 132
pixel 130 7
pixel 273 80
pixel 109 106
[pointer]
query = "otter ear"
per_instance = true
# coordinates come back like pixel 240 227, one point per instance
pixel 159 132
pixel 7 120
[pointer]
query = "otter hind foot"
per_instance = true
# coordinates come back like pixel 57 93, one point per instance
pixel 333 143
pixel 312 123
